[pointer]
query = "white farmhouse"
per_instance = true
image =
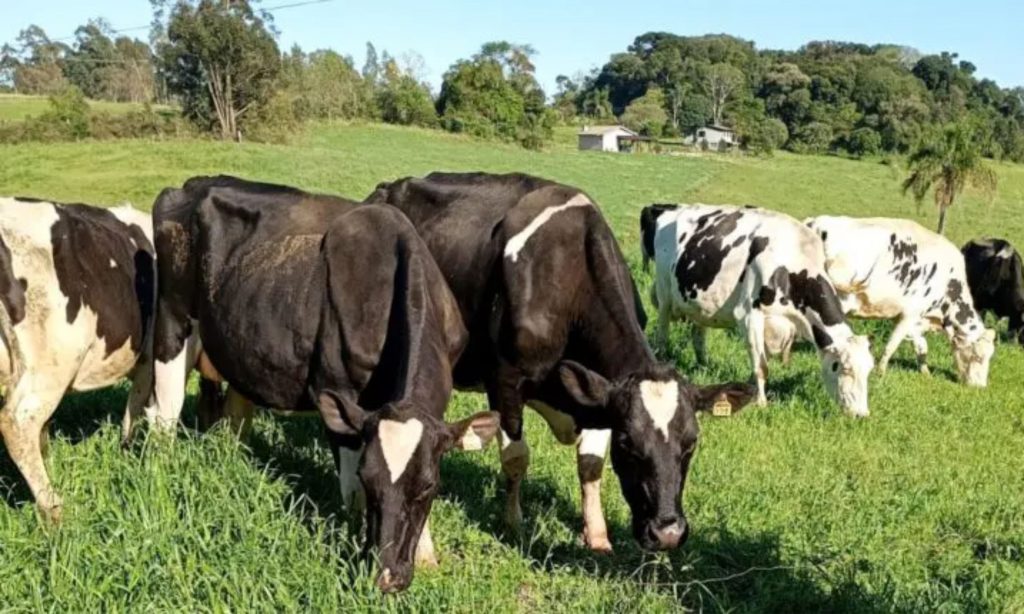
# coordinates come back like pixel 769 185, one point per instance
pixel 713 137
pixel 603 138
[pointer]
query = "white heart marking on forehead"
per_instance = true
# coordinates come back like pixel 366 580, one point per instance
pixel 660 399
pixel 398 442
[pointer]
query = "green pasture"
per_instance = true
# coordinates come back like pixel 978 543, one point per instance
pixel 793 507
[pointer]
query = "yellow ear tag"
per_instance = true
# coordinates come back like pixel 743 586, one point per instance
pixel 721 408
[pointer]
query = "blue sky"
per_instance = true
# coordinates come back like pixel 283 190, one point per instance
pixel 573 36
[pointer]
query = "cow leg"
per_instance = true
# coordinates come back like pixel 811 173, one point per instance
pixel 903 328
pixel 22 422
pixel 700 343
pixel 140 395
pixel 170 381
pixel 590 455
pixel 210 405
pixel 425 555
pixel 505 397
pixel 921 349
pixel 239 411
pixel 753 327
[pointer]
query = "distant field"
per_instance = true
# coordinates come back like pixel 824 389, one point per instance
pixel 793 507
pixel 15 107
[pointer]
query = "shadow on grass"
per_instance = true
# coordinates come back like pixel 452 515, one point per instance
pixel 715 570
pixel 910 365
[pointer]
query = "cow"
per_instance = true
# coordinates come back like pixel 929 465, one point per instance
pixel 77 291
pixel 779 335
pixel 555 322
pixel 722 266
pixel 895 269
pixel 310 302
pixel 996 282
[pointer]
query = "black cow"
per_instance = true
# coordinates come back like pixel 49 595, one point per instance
pixel 302 302
pixel 76 312
pixel 555 322
pixel 997 284
pixel 648 227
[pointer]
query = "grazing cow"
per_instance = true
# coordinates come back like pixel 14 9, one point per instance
pixel 722 266
pixel 897 269
pixel 555 322
pixel 997 284
pixel 77 287
pixel 305 301
pixel 779 335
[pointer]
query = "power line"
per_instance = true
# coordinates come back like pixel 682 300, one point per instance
pixel 270 9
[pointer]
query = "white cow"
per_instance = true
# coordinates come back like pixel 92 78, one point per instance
pixel 724 266
pixel 77 291
pixel 896 269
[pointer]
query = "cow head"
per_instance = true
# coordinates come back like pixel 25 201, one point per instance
pixel 845 369
pixel 652 415
pixel 973 357
pixel 400 472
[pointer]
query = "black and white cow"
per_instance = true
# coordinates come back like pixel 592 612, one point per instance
pixel 779 333
pixel 896 269
pixel 304 301
pixel 555 322
pixel 77 287
pixel 994 273
pixel 722 266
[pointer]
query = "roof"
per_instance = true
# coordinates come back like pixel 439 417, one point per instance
pixel 602 130
pixel 719 128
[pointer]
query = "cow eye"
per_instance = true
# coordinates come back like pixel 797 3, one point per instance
pixel 835 366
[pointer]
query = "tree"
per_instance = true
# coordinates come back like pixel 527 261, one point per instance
pixel 646 114
pixel 37 63
pixel 720 85
pixel 404 100
pixel 946 162
pixel 220 58
pixel 371 67
pixel 495 94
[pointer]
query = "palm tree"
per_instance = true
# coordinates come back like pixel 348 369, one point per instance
pixel 947 162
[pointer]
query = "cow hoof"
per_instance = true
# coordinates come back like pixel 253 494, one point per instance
pixel 925 370
pixel 598 544
pixel 52 515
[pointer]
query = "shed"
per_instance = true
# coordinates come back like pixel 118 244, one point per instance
pixel 603 138
pixel 712 136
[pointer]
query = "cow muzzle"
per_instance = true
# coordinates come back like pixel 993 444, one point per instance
pixel 667 534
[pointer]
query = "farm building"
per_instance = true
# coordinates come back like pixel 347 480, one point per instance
pixel 603 138
pixel 712 137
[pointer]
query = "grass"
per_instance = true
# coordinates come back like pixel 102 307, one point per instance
pixel 794 507
pixel 18 107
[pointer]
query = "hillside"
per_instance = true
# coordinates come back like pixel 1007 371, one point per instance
pixel 794 507
pixel 16 107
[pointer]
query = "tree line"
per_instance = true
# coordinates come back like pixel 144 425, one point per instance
pixel 219 61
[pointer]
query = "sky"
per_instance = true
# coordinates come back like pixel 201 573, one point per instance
pixel 572 36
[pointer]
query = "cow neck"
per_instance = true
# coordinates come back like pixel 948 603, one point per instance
pixel 612 343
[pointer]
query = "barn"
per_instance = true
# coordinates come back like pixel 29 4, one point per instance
pixel 712 137
pixel 602 138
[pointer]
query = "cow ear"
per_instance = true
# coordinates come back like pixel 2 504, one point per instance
pixel 475 432
pixel 341 413
pixel 734 394
pixel 583 385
